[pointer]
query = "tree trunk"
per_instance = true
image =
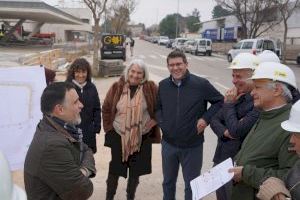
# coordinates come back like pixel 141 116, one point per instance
pixel 284 41
pixel 95 67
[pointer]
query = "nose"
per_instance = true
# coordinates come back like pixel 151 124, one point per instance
pixel 292 139
pixel 80 105
pixel 234 81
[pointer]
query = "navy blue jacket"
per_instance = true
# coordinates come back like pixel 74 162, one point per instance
pixel 238 118
pixel 180 107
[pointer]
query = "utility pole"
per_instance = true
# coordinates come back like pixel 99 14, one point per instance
pixel 177 18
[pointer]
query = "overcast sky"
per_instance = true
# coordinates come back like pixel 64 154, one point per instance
pixel 153 11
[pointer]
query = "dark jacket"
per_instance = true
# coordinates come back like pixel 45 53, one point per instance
pixel 52 165
pixel 180 107
pixel 90 114
pixel 112 98
pixel 238 118
pixel 292 181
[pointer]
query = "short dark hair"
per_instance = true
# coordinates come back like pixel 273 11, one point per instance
pixel 175 54
pixel 79 64
pixel 54 94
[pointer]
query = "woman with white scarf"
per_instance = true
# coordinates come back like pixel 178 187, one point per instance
pixel 129 123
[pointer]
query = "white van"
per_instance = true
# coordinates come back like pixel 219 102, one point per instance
pixel 254 46
pixel 203 46
pixel 178 43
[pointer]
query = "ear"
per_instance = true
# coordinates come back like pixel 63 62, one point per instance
pixel 58 109
pixel 278 90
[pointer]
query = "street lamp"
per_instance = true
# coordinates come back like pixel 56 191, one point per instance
pixel 177 18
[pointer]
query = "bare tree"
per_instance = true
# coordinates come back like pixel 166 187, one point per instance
pixel 286 9
pixel 256 16
pixel 120 14
pixel 97 8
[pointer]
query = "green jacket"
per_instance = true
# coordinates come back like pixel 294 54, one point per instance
pixel 52 165
pixel 264 153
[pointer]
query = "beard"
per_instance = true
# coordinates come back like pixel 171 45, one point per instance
pixel 77 121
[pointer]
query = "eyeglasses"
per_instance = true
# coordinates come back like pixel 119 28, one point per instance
pixel 176 64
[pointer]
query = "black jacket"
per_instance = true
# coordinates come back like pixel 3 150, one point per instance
pixel 180 107
pixel 52 165
pixel 238 118
pixel 292 181
pixel 90 114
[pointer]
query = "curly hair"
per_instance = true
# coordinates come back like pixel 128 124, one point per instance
pixel 79 64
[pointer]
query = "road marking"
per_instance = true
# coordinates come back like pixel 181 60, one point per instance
pixel 163 56
pixel 152 56
pixel 199 58
pixel 218 58
pixel 221 85
pixel 157 67
pixel 155 77
pixel 142 56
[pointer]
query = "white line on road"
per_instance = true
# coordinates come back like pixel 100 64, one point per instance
pixel 163 56
pixel 153 56
pixel 199 58
pixel 142 56
pixel 221 85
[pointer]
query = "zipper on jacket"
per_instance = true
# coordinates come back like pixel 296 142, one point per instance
pixel 177 110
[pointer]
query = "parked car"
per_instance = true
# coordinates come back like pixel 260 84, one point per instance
pixel 163 40
pixel 169 44
pixel 255 46
pixel 178 43
pixel 203 46
pixel 187 46
pixel 298 59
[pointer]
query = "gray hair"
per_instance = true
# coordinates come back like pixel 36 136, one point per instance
pixel 141 64
pixel 287 94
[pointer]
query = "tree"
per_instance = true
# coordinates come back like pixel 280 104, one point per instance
pixel 168 24
pixel 120 16
pixel 97 8
pixel 256 16
pixel 286 9
pixel 193 21
pixel 219 11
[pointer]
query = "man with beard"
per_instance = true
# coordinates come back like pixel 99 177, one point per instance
pixel 233 122
pixel 58 164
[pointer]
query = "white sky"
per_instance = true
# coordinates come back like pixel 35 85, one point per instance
pixel 153 11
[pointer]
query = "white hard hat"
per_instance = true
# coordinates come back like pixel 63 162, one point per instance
pixel 293 123
pixel 275 72
pixel 268 56
pixel 8 190
pixel 244 61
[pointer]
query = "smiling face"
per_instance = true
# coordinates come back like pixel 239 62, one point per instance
pixel 263 96
pixel 135 75
pixel 240 79
pixel 80 76
pixel 295 141
pixel 177 68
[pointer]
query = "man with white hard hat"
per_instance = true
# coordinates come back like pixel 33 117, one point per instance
pixel 268 56
pixel 274 188
pixel 264 151
pixel 237 116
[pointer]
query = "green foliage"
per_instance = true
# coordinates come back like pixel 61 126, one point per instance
pixel 219 11
pixel 167 26
pixel 192 24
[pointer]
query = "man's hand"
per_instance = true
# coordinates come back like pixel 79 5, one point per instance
pixel 279 196
pixel 201 125
pixel 227 134
pixel 232 95
pixel 237 173
pixel 150 124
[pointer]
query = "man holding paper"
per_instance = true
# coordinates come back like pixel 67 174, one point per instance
pixel 264 151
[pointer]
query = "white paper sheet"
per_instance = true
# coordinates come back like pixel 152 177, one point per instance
pixel 20 91
pixel 211 180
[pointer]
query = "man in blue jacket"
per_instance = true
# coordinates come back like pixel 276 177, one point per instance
pixel 182 115
pixel 233 122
